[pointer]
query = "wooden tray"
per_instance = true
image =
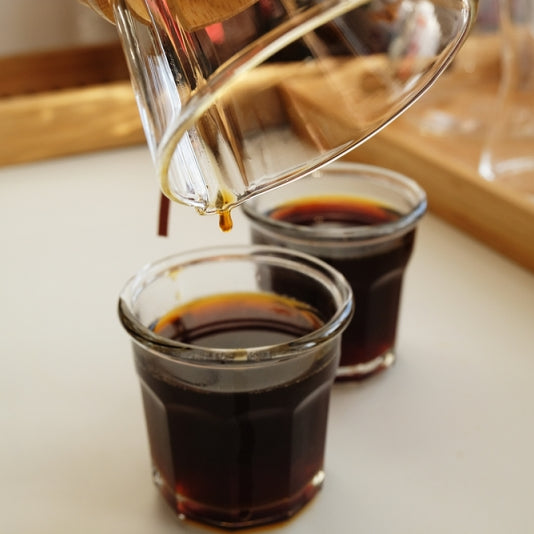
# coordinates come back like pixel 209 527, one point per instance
pixel 74 101
pixel 446 167
pixel 66 102
pixel 445 164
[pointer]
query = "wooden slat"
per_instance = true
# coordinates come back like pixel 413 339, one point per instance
pixel 68 121
pixel 494 213
pixel 60 69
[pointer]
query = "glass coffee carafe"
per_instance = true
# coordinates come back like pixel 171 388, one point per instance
pixel 240 96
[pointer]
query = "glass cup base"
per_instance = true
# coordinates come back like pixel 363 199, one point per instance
pixel 226 518
pixel 364 370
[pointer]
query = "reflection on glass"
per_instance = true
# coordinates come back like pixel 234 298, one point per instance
pixel 508 154
pixel 276 88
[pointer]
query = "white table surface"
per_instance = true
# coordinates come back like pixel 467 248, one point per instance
pixel 443 442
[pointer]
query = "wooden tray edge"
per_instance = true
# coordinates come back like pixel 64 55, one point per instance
pixel 68 121
pixel 490 212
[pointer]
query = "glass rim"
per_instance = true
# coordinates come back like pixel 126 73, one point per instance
pixel 362 233
pixel 198 354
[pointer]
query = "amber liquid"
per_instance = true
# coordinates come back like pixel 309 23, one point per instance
pixel 238 458
pixel 225 221
pixel 376 278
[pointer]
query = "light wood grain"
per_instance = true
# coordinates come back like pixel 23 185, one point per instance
pixel 59 69
pixel 68 121
pixel 446 168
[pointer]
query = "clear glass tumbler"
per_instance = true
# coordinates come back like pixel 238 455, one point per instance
pixel 236 370
pixel 362 220
pixel 457 106
pixel 242 95
pixel 508 152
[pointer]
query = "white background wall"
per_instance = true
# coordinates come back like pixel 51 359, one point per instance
pixel 31 25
